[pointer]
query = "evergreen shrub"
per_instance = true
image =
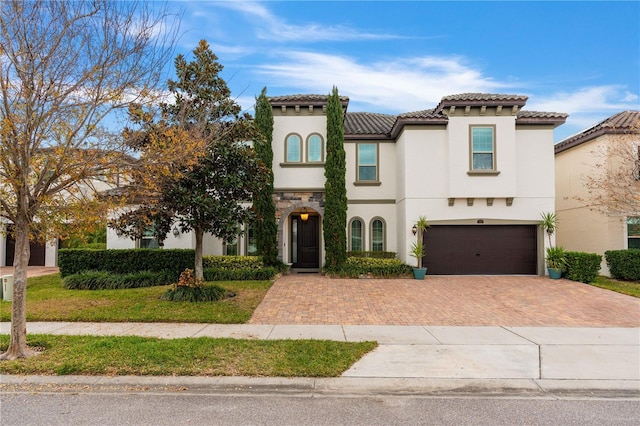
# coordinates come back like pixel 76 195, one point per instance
pixel 582 267
pixel 624 264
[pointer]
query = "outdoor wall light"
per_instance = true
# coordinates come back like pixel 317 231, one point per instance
pixel 304 215
pixel 414 229
pixel 176 232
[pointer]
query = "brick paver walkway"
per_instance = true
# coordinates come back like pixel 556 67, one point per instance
pixel 445 300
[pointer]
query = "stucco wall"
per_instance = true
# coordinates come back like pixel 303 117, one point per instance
pixel 579 227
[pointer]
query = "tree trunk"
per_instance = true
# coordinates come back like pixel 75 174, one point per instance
pixel 198 266
pixel 18 343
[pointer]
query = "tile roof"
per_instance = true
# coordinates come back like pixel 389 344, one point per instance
pixel 425 113
pixel 303 99
pixel 479 99
pixel 541 117
pixel 367 123
pixel 620 123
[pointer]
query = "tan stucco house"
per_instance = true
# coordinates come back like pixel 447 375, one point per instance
pixel 583 227
pixel 478 166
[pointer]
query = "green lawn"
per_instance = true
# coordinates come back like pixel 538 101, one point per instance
pixel 630 288
pixel 142 356
pixel 47 300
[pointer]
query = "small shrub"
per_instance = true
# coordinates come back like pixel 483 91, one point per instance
pixel 195 294
pixel 624 264
pixel 582 267
pixel 354 267
pixel 101 280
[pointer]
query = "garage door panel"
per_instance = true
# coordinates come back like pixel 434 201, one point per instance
pixel 486 249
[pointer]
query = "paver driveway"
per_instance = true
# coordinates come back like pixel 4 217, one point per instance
pixel 445 300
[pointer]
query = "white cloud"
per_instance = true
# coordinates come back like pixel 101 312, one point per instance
pixel 586 106
pixel 271 27
pixel 395 85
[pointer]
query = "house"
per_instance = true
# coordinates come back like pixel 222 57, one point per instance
pixel 582 226
pixel 477 165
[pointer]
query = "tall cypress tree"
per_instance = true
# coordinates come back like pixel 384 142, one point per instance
pixel 266 228
pixel 335 207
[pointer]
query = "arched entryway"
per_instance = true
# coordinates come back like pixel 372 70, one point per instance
pixel 300 236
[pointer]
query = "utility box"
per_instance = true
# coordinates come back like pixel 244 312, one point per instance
pixel 7 288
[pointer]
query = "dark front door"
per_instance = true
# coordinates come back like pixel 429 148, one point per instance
pixel 481 249
pixel 305 242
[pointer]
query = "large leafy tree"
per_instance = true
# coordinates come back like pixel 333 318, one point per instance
pixel 335 208
pixel 64 67
pixel 266 226
pixel 212 196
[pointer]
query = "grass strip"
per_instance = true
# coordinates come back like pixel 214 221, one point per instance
pixel 144 356
pixel 48 300
pixel 630 288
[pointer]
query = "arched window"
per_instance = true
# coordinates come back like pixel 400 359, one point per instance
pixel 293 148
pixel 378 234
pixel 315 148
pixel 356 235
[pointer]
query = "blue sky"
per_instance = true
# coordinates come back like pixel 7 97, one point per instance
pixel 582 58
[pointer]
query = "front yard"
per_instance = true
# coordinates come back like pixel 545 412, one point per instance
pixel 47 300
pixel 629 288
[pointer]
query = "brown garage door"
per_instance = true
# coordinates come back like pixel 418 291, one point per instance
pixel 481 249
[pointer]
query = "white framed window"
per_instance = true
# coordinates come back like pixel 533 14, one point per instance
pixel 251 245
pixel 367 160
pixel 356 235
pixel 148 240
pixel 293 148
pixel 378 234
pixel 633 232
pixel 483 148
pixel 315 148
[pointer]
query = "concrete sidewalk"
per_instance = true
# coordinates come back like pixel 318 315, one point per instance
pixel 419 358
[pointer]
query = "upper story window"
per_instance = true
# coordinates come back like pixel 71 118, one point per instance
pixel 377 234
pixel 367 159
pixel 633 232
pixel 293 148
pixel 483 148
pixel 315 148
pixel 356 235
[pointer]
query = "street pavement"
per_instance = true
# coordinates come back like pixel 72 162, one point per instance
pixel 409 359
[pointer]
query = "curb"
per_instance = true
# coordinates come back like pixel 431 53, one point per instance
pixel 417 387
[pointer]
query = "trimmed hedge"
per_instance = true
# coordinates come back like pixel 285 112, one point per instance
pixel 219 274
pixel 232 262
pixel 582 267
pixel 74 261
pixel 354 267
pixel 373 254
pixel 101 280
pixel 624 264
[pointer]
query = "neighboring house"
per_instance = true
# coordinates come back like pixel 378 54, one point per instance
pixel 582 227
pixel 477 166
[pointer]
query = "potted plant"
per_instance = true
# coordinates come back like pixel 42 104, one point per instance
pixel 556 261
pixel 417 248
pixel 556 257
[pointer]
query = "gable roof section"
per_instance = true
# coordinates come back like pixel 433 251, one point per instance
pixel 625 122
